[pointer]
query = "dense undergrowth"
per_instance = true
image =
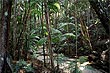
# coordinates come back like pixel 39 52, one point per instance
pixel 40 36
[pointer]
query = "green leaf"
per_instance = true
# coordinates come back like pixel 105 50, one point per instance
pixel 34 36
pixel 53 6
pixel 89 67
pixel 61 25
pixel 41 41
pixel 77 70
pixel 55 31
pixel 57 5
pixel 67 35
pixel 62 39
pixel 36 11
pixel 82 59
pixel 55 39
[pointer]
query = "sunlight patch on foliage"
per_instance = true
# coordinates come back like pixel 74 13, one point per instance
pixel 57 5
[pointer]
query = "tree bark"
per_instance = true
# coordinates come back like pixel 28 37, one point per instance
pixel 102 14
pixel 15 27
pixel 4 30
pixel 49 36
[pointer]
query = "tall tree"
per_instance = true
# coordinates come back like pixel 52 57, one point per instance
pixel 49 36
pixel 4 30
pixel 15 26
pixel 102 14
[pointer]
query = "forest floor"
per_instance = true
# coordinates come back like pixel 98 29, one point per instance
pixel 64 64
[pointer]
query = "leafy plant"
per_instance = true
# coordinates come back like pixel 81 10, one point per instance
pixel 21 64
pixel 82 59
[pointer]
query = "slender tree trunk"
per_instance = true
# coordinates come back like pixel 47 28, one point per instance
pixel 4 30
pixel 14 28
pixel 49 36
pixel 85 33
pixel 42 19
pixel 25 36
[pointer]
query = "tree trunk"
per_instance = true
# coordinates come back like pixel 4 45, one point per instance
pixel 49 36
pixel 14 28
pixel 42 24
pixel 102 14
pixel 4 30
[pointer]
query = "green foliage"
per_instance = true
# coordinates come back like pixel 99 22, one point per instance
pixel 55 31
pixel 74 67
pixel 61 58
pixel 36 11
pixel 76 70
pixel 82 59
pixel 57 5
pixel 56 35
pixel 32 39
pixel 89 67
pixel 69 35
pixel 42 41
pixel 64 17
pixel 21 64
pixel 54 6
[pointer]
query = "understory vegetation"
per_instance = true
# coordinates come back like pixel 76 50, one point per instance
pixel 54 36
